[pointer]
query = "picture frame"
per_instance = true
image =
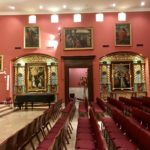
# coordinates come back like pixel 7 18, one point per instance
pixel 78 38
pixel 1 62
pixel 123 34
pixel 31 37
pixel 121 74
pixel 36 77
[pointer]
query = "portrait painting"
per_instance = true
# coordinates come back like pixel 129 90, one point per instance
pixel 78 38
pixel 121 76
pixel 36 78
pixel 123 34
pixel 31 37
pixel 1 63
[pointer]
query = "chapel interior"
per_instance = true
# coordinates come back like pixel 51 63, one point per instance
pixel 75 75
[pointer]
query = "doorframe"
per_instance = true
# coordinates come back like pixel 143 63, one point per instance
pixel 79 62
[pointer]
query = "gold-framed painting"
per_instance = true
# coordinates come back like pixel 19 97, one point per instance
pixel 121 73
pixel 78 38
pixel 1 62
pixel 36 77
pixel 123 34
pixel 31 37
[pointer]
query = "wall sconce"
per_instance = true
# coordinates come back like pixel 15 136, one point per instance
pixel 77 17
pixel 54 18
pixel 121 16
pixel 32 19
pixel 52 44
pixel 99 17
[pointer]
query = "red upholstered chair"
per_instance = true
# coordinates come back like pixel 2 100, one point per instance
pixel 8 100
pixel 85 144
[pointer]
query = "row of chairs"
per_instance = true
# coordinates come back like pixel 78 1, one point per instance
pixel 99 108
pixel 131 102
pixel 143 118
pixel 137 135
pixel 88 135
pixel 114 133
pixel 145 102
pixel 25 136
pixel 60 133
pixel 113 103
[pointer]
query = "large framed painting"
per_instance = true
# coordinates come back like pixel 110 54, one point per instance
pixel 31 37
pixel 1 62
pixel 78 38
pixel 121 76
pixel 36 77
pixel 123 34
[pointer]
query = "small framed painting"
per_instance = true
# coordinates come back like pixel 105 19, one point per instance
pixel 123 34
pixel 31 37
pixel 78 38
pixel 1 62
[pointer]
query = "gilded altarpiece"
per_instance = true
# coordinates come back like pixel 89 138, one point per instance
pixel 35 74
pixel 122 74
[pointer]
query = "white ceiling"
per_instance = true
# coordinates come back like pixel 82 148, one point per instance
pixel 72 6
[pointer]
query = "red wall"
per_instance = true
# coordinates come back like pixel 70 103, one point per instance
pixel 12 29
pixel 75 75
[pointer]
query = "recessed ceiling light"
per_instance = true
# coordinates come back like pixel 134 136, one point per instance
pixel 114 5
pixel 64 6
pixel 142 3
pixel 12 7
pixel 41 7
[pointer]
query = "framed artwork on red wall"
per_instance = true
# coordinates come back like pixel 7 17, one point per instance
pixel 78 38
pixel 31 37
pixel 123 34
pixel 1 62
pixel 36 77
pixel 121 76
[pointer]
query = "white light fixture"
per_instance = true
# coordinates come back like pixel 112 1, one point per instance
pixel 77 18
pixel 54 19
pixel 32 19
pixel 12 7
pixel 121 16
pixel 100 17
pixel 142 3
pixel 52 44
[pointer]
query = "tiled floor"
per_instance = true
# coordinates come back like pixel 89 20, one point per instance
pixel 13 122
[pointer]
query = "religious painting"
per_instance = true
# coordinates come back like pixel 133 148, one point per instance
pixel 31 37
pixel 36 78
pixel 123 34
pixel 121 76
pixel 1 63
pixel 78 38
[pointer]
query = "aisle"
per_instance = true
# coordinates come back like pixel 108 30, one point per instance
pixel 74 122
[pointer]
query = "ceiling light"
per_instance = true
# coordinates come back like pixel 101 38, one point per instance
pixel 142 3
pixel 77 18
pixel 54 19
pixel 32 19
pixel 64 6
pixel 12 7
pixel 100 17
pixel 114 5
pixel 40 7
pixel 121 16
